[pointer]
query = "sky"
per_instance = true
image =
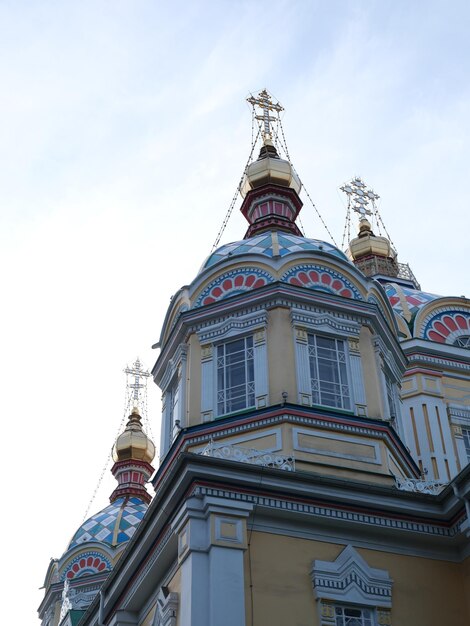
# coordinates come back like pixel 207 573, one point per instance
pixel 124 130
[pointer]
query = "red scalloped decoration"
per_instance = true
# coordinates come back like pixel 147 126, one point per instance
pixel 90 564
pixel 240 282
pixel 313 277
pixel 441 329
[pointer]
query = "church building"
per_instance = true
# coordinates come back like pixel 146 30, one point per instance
pixel 314 446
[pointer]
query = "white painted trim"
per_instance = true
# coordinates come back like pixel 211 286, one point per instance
pixel 232 327
pixel 376 460
pixel 249 438
pixel 349 579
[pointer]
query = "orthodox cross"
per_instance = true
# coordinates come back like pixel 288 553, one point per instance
pixel 360 196
pixel 265 103
pixel 140 375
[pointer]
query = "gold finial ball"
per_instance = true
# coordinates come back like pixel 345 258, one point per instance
pixel 269 168
pixel 133 443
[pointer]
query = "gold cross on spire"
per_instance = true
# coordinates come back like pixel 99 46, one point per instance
pixel 360 196
pixel 140 382
pixel 264 102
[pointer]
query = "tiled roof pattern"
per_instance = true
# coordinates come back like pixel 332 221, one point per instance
pixel 113 525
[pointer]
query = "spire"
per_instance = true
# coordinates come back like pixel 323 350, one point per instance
pixel 373 254
pixel 271 185
pixel 133 454
pixel 370 253
pixel 134 451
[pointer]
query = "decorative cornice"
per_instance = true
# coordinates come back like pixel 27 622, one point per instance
pixel 234 323
pixel 329 511
pixel 350 579
pixel 331 321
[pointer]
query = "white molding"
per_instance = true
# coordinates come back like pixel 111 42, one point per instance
pixel 358 395
pixel 325 323
pixel 166 609
pixel 376 460
pixel 249 438
pixel 349 579
pixel 232 326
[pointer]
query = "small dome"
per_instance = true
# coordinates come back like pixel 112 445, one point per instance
pixel 270 168
pixel 113 525
pixel 133 443
pixel 369 244
pixel 270 246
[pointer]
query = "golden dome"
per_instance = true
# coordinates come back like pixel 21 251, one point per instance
pixel 269 168
pixel 133 443
pixel 367 244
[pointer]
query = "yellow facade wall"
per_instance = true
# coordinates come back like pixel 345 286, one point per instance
pixel 193 382
pixel 281 357
pixel 372 382
pixel 426 592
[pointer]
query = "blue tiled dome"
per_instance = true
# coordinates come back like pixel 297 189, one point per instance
pixel 267 245
pixel 113 525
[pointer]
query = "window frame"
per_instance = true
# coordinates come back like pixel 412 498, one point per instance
pixel 233 328
pixel 346 373
pixel 371 619
pixel 249 364
pixel 466 440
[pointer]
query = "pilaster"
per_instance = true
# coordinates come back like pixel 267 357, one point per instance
pixel 211 542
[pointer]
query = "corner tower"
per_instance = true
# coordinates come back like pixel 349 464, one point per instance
pixel 73 581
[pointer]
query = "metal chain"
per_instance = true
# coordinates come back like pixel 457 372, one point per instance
pixel 106 465
pixel 283 144
pixel 380 221
pixel 235 196
pixel 127 403
pixel 346 225
pixel 316 210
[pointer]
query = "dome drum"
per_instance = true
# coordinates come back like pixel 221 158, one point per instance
pixel 271 207
pixel 132 476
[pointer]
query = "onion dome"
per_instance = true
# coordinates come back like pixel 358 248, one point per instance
pixel 270 168
pixel 373 255
pixel 133 453
pixel 366 243
pixel 133 443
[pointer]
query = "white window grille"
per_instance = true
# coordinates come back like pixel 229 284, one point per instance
pixel 174 413
pixel 235 376
pixel 392 408
pixel 353 616
pixel 328 372
pixel 466 441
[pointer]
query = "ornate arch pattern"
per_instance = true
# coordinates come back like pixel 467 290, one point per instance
pixel 321 278
pixel 87 563
pixel 232 283
pixel 445 326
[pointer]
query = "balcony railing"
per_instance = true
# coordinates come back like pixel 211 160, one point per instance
pixel 249 455
pixel 432 487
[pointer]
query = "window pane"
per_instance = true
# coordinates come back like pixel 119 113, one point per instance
pixel 235 375
pixel 328 372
